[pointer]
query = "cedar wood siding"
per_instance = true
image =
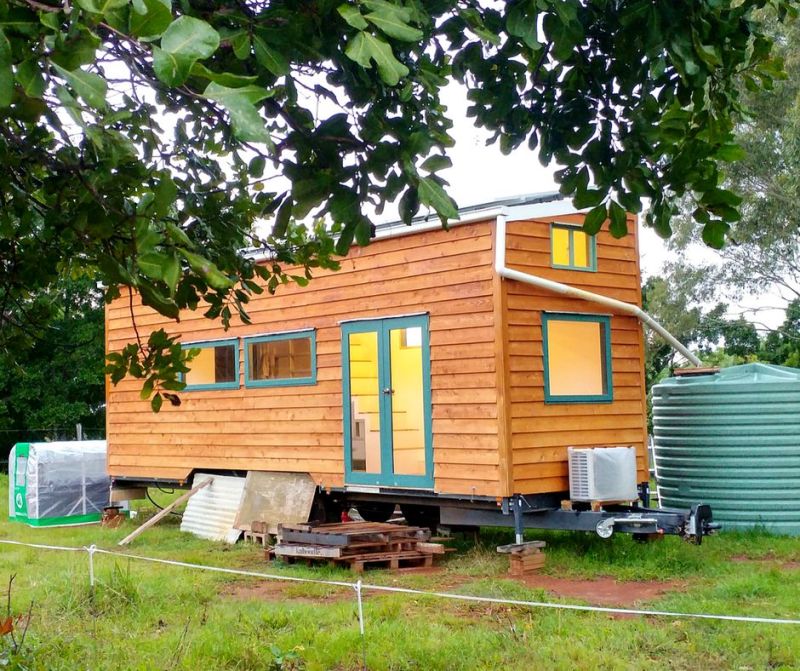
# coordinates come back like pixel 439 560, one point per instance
pixel 540 433
pixel 447 274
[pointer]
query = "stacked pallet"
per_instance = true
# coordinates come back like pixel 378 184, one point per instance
pixel 357 544
pixel 525 558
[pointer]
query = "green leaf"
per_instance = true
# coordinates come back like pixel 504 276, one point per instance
pixel 358 51
pixel 177 234
pixel 6 73
pixel 409 205
pixel 166 192
pixel 207 270
pixel 89 86
pixel 619 220
pixel 432 194
pixel 153 264
pixel 223 78
pixel 172 273
pixel 269 58
pixel 364 47
pixel 172 69
pixel 282 219
pixel 352 16
pixel 240 104
pixel 156 403
pixel 521 25
pixel 436 163
pixel 190 37
pixel 241 45
pixel 714 233
pixel 731 152
pixel 29 76
pixel 389 23
pixel 100 6
pixel 147 389
pixel 594 219
pixel 151 22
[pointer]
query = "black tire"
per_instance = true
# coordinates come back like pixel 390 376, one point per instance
pixel 421 516
pixel 375 511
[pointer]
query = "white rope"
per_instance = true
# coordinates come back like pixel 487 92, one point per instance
pixel 359 587
pixel 66 548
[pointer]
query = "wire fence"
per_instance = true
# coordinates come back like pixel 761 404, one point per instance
pixel 359 587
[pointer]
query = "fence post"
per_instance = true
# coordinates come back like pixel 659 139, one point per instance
pixel 91 549
pixel 357 587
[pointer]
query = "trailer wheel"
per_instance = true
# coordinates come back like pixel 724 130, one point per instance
pixel 375 511
pixel 421 516
pixel 325 510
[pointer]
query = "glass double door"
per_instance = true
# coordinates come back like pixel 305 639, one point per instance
pixel 387 402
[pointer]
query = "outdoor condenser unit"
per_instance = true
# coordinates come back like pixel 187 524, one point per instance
pixel 602 474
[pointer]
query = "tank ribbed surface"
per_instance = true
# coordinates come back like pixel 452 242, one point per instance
pixel 732 440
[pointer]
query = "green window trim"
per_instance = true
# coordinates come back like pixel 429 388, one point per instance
pixel 571 229
pixel 605 322
pixel 204 344
pixel 311 334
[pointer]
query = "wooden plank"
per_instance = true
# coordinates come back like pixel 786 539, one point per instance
pixel 165 511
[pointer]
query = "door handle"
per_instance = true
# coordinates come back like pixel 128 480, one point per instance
pixel 388 390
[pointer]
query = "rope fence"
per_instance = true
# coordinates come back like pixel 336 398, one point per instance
pixel 359 587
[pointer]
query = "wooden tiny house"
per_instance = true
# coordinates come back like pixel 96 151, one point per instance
pixel 415 368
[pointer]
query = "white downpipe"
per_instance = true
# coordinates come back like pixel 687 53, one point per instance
pixel 566 290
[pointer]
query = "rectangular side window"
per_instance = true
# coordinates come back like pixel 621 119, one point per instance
pixel 577 358
pixel 572 248
pixel 281 359
pixel 215 367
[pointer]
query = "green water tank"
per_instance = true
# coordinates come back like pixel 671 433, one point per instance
pixel 731 439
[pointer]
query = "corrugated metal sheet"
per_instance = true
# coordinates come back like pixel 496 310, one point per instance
pixel 211 513
pixel 732 440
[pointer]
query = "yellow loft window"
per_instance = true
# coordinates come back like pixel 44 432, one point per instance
pixel 216 366
pixel 571 248
pixel 281 359
pixel 577 358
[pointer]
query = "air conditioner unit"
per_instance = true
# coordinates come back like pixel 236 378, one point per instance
pixel 602 474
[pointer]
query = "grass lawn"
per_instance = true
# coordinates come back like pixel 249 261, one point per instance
pixel 145 616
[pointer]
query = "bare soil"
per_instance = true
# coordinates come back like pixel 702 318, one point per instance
pixel 603 591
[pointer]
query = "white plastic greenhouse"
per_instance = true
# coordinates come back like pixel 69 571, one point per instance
pixel 58 483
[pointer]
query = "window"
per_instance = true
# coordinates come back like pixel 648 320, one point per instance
pixel 281 359
pixel 577 358
pixel 570 247
pixel 215 367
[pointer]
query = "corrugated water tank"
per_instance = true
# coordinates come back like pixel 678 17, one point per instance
pixel 732 440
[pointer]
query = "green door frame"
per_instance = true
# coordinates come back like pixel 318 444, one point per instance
pixel 387 477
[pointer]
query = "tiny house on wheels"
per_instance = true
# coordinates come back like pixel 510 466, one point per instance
pixel 447 371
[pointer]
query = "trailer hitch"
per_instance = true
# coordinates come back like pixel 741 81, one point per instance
pixel 699 524
pixel 605 527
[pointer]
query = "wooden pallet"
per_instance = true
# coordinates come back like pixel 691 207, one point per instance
pixel 595 506
pixel 356 544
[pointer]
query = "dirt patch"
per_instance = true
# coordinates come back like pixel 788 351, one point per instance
pixel 768 560
pixel 269 590
pixel 276 590
pixel 604 591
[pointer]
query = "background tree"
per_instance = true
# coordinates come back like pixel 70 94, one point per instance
pixel 763 251
pixel 143 139
pixel 57 380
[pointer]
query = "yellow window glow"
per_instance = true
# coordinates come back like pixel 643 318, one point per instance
pixel 576 358
pixel 581 255
pixel 214 365
pixel 560 239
